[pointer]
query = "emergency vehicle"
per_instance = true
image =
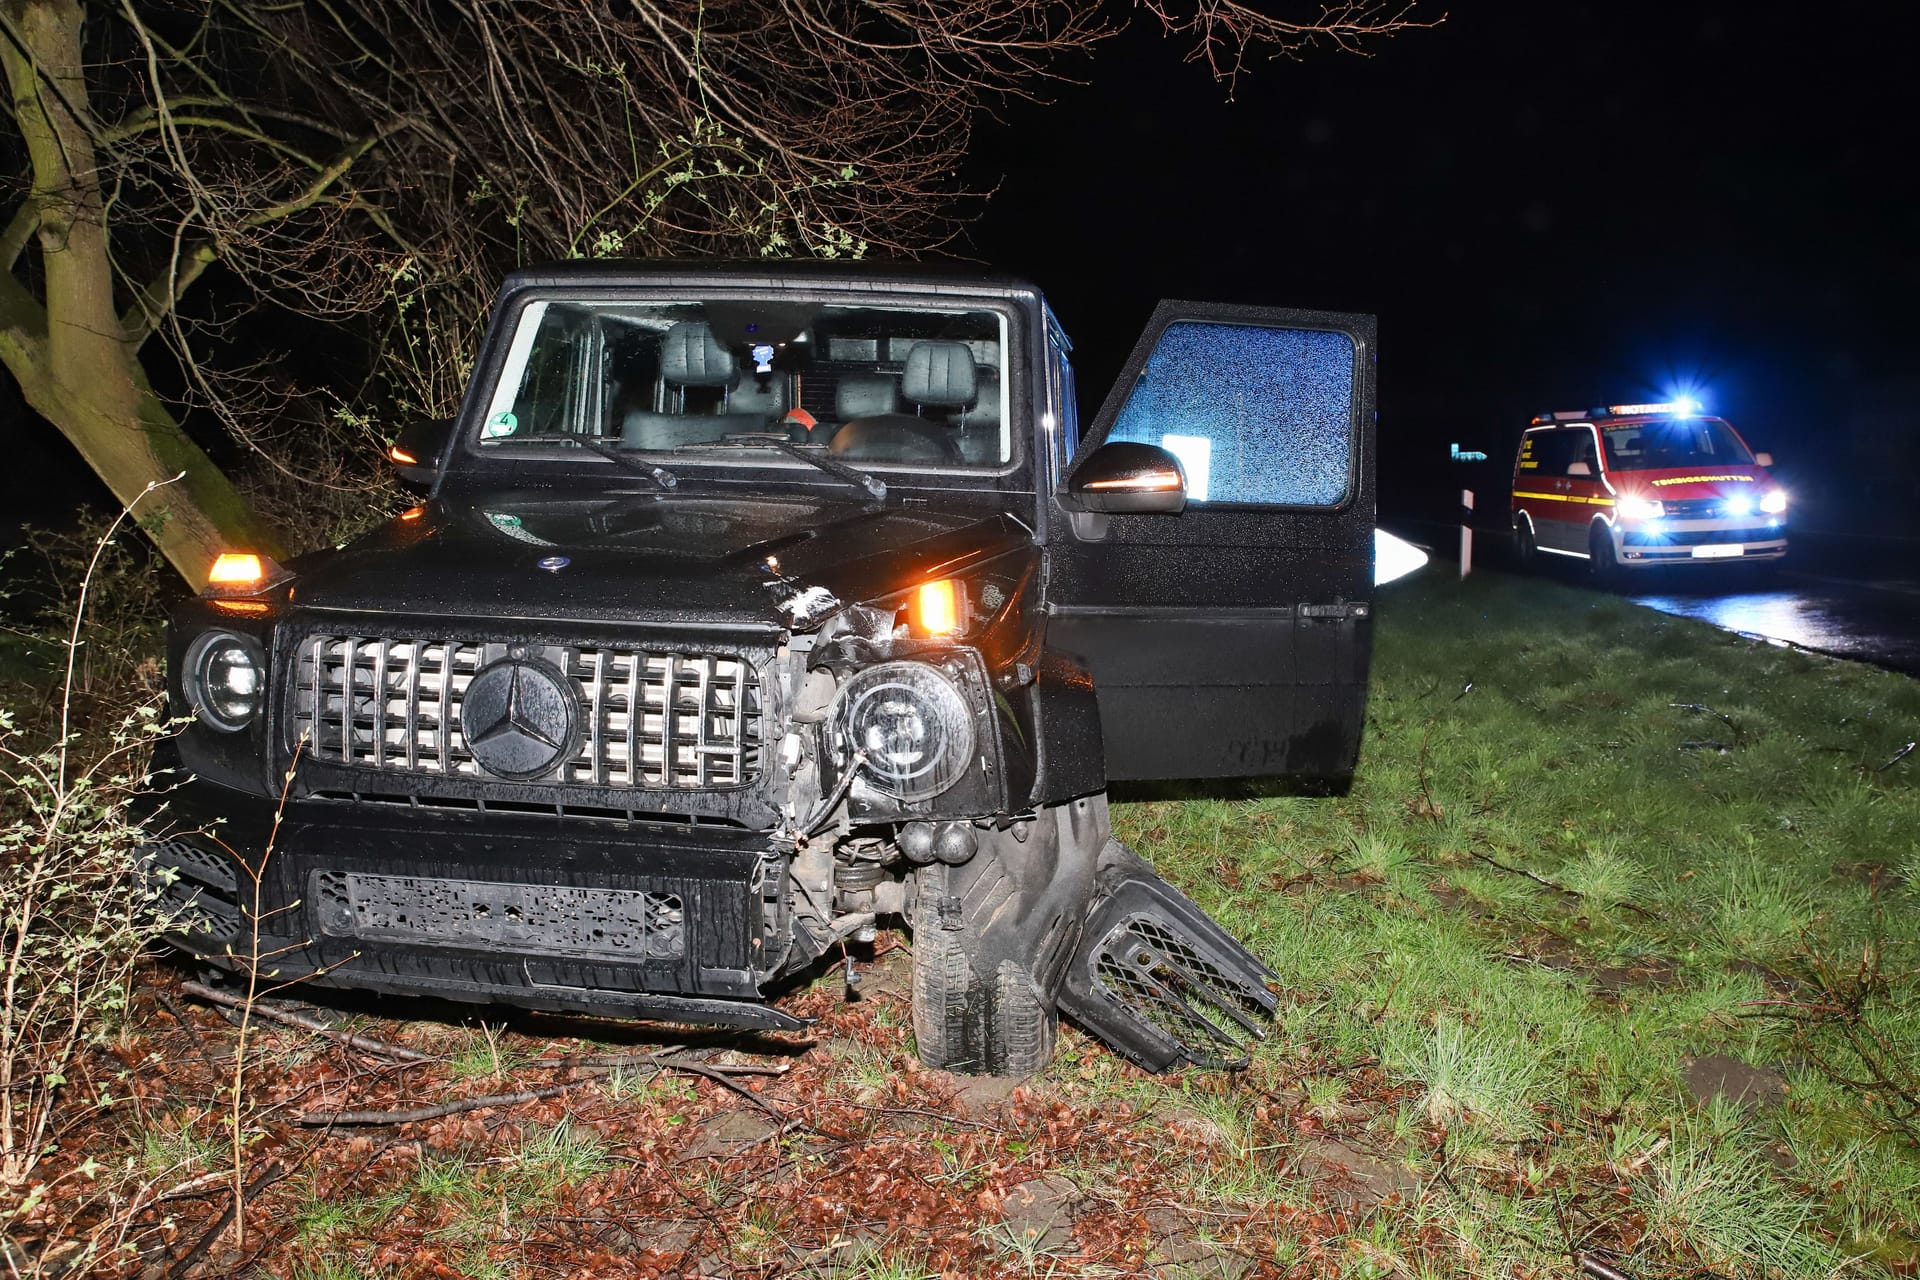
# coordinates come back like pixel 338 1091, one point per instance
pixel 1631 486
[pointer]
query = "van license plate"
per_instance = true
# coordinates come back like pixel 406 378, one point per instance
pixel 1717 552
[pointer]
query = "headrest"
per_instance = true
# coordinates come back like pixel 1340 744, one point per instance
pixel 689 357
pixel 939 374
pixel 751 397
pixel 863 395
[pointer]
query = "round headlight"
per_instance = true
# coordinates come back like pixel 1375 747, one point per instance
pixel 913 724
pixel 223 680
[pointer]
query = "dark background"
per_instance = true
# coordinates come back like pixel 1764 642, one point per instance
pixel 1549 206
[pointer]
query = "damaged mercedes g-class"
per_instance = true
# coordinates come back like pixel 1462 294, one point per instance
pixel 754 607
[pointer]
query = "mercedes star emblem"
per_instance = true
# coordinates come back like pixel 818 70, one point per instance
pixel 553 564
pixel 519 718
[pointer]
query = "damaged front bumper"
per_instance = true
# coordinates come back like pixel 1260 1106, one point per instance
pixel 673 922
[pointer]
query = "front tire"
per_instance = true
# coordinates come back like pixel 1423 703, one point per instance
pixel 1526 551
pixel 992 938
pixel 1604 565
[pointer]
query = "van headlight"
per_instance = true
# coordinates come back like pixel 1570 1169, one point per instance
pixel 224 677
pixel 1638 508
pixel 912 723
pixel 1775 503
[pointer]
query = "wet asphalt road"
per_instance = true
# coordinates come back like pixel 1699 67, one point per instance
pixel 1837 596
pixel 1874 621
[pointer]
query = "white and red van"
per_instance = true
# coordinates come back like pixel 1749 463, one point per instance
pixel 1631 486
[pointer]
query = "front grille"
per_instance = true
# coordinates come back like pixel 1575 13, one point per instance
pixel 1698 537
pixel 1691 508
pixel 1705 509
pixel 649 720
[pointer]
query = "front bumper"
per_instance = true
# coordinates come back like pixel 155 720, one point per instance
pixel 1699 542
pixel 684 922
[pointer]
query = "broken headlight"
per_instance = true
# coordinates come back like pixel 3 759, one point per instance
pixel 911 723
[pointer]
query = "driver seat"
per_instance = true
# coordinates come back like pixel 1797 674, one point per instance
pixel 689 357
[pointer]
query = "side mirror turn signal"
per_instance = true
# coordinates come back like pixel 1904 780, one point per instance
pixel 415 454
pixel 1126 477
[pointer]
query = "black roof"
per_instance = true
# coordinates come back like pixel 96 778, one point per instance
pixel 937 275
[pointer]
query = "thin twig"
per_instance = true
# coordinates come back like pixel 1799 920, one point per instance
pixel 185 1262
pixel 363 1043
pixel 719 1075
pixel 328 1119
pixel 1492 861
pixel 701 1069
pixel 1598 1269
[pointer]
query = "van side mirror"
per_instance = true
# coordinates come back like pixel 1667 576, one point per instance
pixel 415 452
pixel 1579 469
pixel 1126 477
pixel 1763 459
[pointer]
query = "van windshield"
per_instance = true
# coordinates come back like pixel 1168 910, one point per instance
pixel 1674 442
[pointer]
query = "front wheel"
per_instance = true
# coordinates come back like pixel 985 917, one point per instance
pixel 991 941
pixel 1601 560
pixel 1526 551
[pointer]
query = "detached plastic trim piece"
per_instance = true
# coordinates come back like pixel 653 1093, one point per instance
pixel 1158 980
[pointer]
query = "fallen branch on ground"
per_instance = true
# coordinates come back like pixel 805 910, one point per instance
pixel 261 1010
pixel 718 1074
pixel 1494 862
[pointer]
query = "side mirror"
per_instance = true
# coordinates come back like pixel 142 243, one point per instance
pixel 1763 459
pixel 415 452
pixel 1125 477
pixel 1579 469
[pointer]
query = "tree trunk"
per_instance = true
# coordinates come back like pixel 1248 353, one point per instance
pixel 74 362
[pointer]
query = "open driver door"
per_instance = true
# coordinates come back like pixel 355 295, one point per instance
pixel 1229 638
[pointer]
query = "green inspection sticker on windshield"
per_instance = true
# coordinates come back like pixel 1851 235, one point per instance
pixel 500 424
pixel 503 520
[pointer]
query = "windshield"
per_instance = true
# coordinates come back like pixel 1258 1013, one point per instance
pixel 872 386
pixel 1675 442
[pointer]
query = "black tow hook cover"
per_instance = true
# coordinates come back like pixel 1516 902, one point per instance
pixel 1158 980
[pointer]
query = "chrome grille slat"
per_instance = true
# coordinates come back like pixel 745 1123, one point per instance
pixel 651 719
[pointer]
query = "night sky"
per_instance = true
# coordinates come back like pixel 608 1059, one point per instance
pixel 1549 206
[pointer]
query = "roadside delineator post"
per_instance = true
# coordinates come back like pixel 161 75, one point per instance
pixel 1466 532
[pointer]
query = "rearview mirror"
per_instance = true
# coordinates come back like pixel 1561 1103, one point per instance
pixel 1126 477
pixel 1579 469
pixel 1763 459
pixel 415 452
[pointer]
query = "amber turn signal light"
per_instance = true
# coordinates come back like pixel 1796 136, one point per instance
pixel 402 457
pixel 1149 481
pixel 239 573
pixel 937 607
pixel 236 569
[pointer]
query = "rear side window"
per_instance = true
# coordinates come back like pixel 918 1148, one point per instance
pixel 1255 414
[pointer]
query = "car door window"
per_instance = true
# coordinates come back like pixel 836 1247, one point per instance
pixel 1551 452
pixel 1255 414
pixel 1583 451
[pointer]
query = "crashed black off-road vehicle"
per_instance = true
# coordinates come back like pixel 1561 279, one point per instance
pixel 753 605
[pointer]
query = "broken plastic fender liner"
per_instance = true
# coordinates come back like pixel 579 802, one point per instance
pixel 1157 979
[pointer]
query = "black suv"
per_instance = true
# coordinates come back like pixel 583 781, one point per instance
pixel 754 604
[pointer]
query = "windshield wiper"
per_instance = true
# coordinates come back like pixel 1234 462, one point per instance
pixel 873 485
pixel 613 452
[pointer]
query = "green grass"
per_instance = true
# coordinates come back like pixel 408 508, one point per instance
pixel 1722 860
